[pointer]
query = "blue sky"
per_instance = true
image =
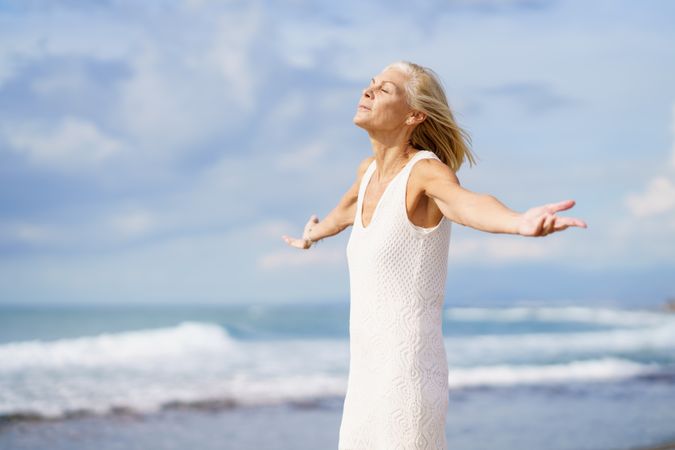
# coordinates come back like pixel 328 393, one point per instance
pixel 155 152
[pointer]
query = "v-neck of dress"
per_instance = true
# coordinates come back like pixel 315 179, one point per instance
pixel 386 189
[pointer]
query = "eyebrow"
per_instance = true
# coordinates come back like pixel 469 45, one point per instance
pixel 385 81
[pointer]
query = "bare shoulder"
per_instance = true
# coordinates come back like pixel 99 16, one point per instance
pixel 363 166
pixel 346 209
pixel 430 171
pixel 360 171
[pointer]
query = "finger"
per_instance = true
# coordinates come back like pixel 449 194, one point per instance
pixel 560 224
pixel 540 224
pixel 293 242
pixel 549 221
pixel 560 206
pixel 298 243
pixel 571 222
pixel 560 228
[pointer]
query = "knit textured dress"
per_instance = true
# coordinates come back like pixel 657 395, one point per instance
pixel 397 391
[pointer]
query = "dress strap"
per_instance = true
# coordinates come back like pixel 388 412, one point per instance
pixel 401 177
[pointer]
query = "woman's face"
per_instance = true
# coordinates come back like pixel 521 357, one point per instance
pixel 383 105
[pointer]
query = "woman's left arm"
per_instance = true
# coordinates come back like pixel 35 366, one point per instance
pixel 484 211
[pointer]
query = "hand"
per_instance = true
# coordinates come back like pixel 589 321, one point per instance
pixel 302 243
pixel 541 220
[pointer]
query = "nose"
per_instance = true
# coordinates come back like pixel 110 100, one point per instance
pixel 368 92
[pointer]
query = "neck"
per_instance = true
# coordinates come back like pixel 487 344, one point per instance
pixel 391 154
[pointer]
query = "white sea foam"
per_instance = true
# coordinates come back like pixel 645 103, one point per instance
pixel 101 396
pixel 150 394
pixel 592 370
pixel 478 350
pixel 123 349
pixel 146 369
pixel 195 362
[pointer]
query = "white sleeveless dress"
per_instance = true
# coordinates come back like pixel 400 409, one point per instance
pixel 397 391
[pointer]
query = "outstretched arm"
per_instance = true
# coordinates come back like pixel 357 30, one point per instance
pixel 484 211
pixel 337 220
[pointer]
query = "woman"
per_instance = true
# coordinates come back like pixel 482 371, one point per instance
pixel 402 204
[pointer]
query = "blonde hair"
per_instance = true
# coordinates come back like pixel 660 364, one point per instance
pixel 439 132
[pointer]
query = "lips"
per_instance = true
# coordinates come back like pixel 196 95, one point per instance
pixel 364 107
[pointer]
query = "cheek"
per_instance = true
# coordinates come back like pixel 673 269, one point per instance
pixel 393 109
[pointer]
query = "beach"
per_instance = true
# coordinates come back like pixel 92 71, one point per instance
pixel 478 419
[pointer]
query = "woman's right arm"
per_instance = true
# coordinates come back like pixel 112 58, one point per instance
pixel 338 219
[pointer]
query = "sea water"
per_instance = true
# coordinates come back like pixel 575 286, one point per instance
pixel 513 371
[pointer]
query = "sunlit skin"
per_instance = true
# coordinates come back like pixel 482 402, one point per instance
pixel 433 189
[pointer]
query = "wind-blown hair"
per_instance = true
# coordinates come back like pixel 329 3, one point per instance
pixel 439 131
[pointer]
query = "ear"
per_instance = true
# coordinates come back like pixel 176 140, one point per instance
pixel 415 118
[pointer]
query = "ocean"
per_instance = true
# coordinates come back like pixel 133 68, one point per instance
pixel 274 376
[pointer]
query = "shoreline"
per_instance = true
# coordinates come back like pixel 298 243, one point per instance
pixel 481 419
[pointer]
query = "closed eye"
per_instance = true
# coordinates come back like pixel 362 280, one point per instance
pixel 380 87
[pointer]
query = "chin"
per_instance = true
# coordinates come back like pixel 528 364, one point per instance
pixel 359 121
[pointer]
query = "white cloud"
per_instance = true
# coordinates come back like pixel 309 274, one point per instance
pixel 71 143
pixel 211 265
pixel 197 85
pixel 298 51
pixel 294 257
pixel 303 158
pixel 61 32
pixel 191 75
pixel 7 69
pixel 288 110
pixel 329 252
pixel 70 79
pixel 133 223
pixel 231 53
pixel 26 232
pixel 484 249
pixel 672 129
pixel 500 3
pixel 186 89
pixel 161 109
pixel 659 197
pixel 488 249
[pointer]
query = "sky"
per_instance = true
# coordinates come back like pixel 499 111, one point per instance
pixel 156 152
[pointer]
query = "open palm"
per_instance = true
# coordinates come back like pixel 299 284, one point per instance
pixel 302 243
pixel 542 220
